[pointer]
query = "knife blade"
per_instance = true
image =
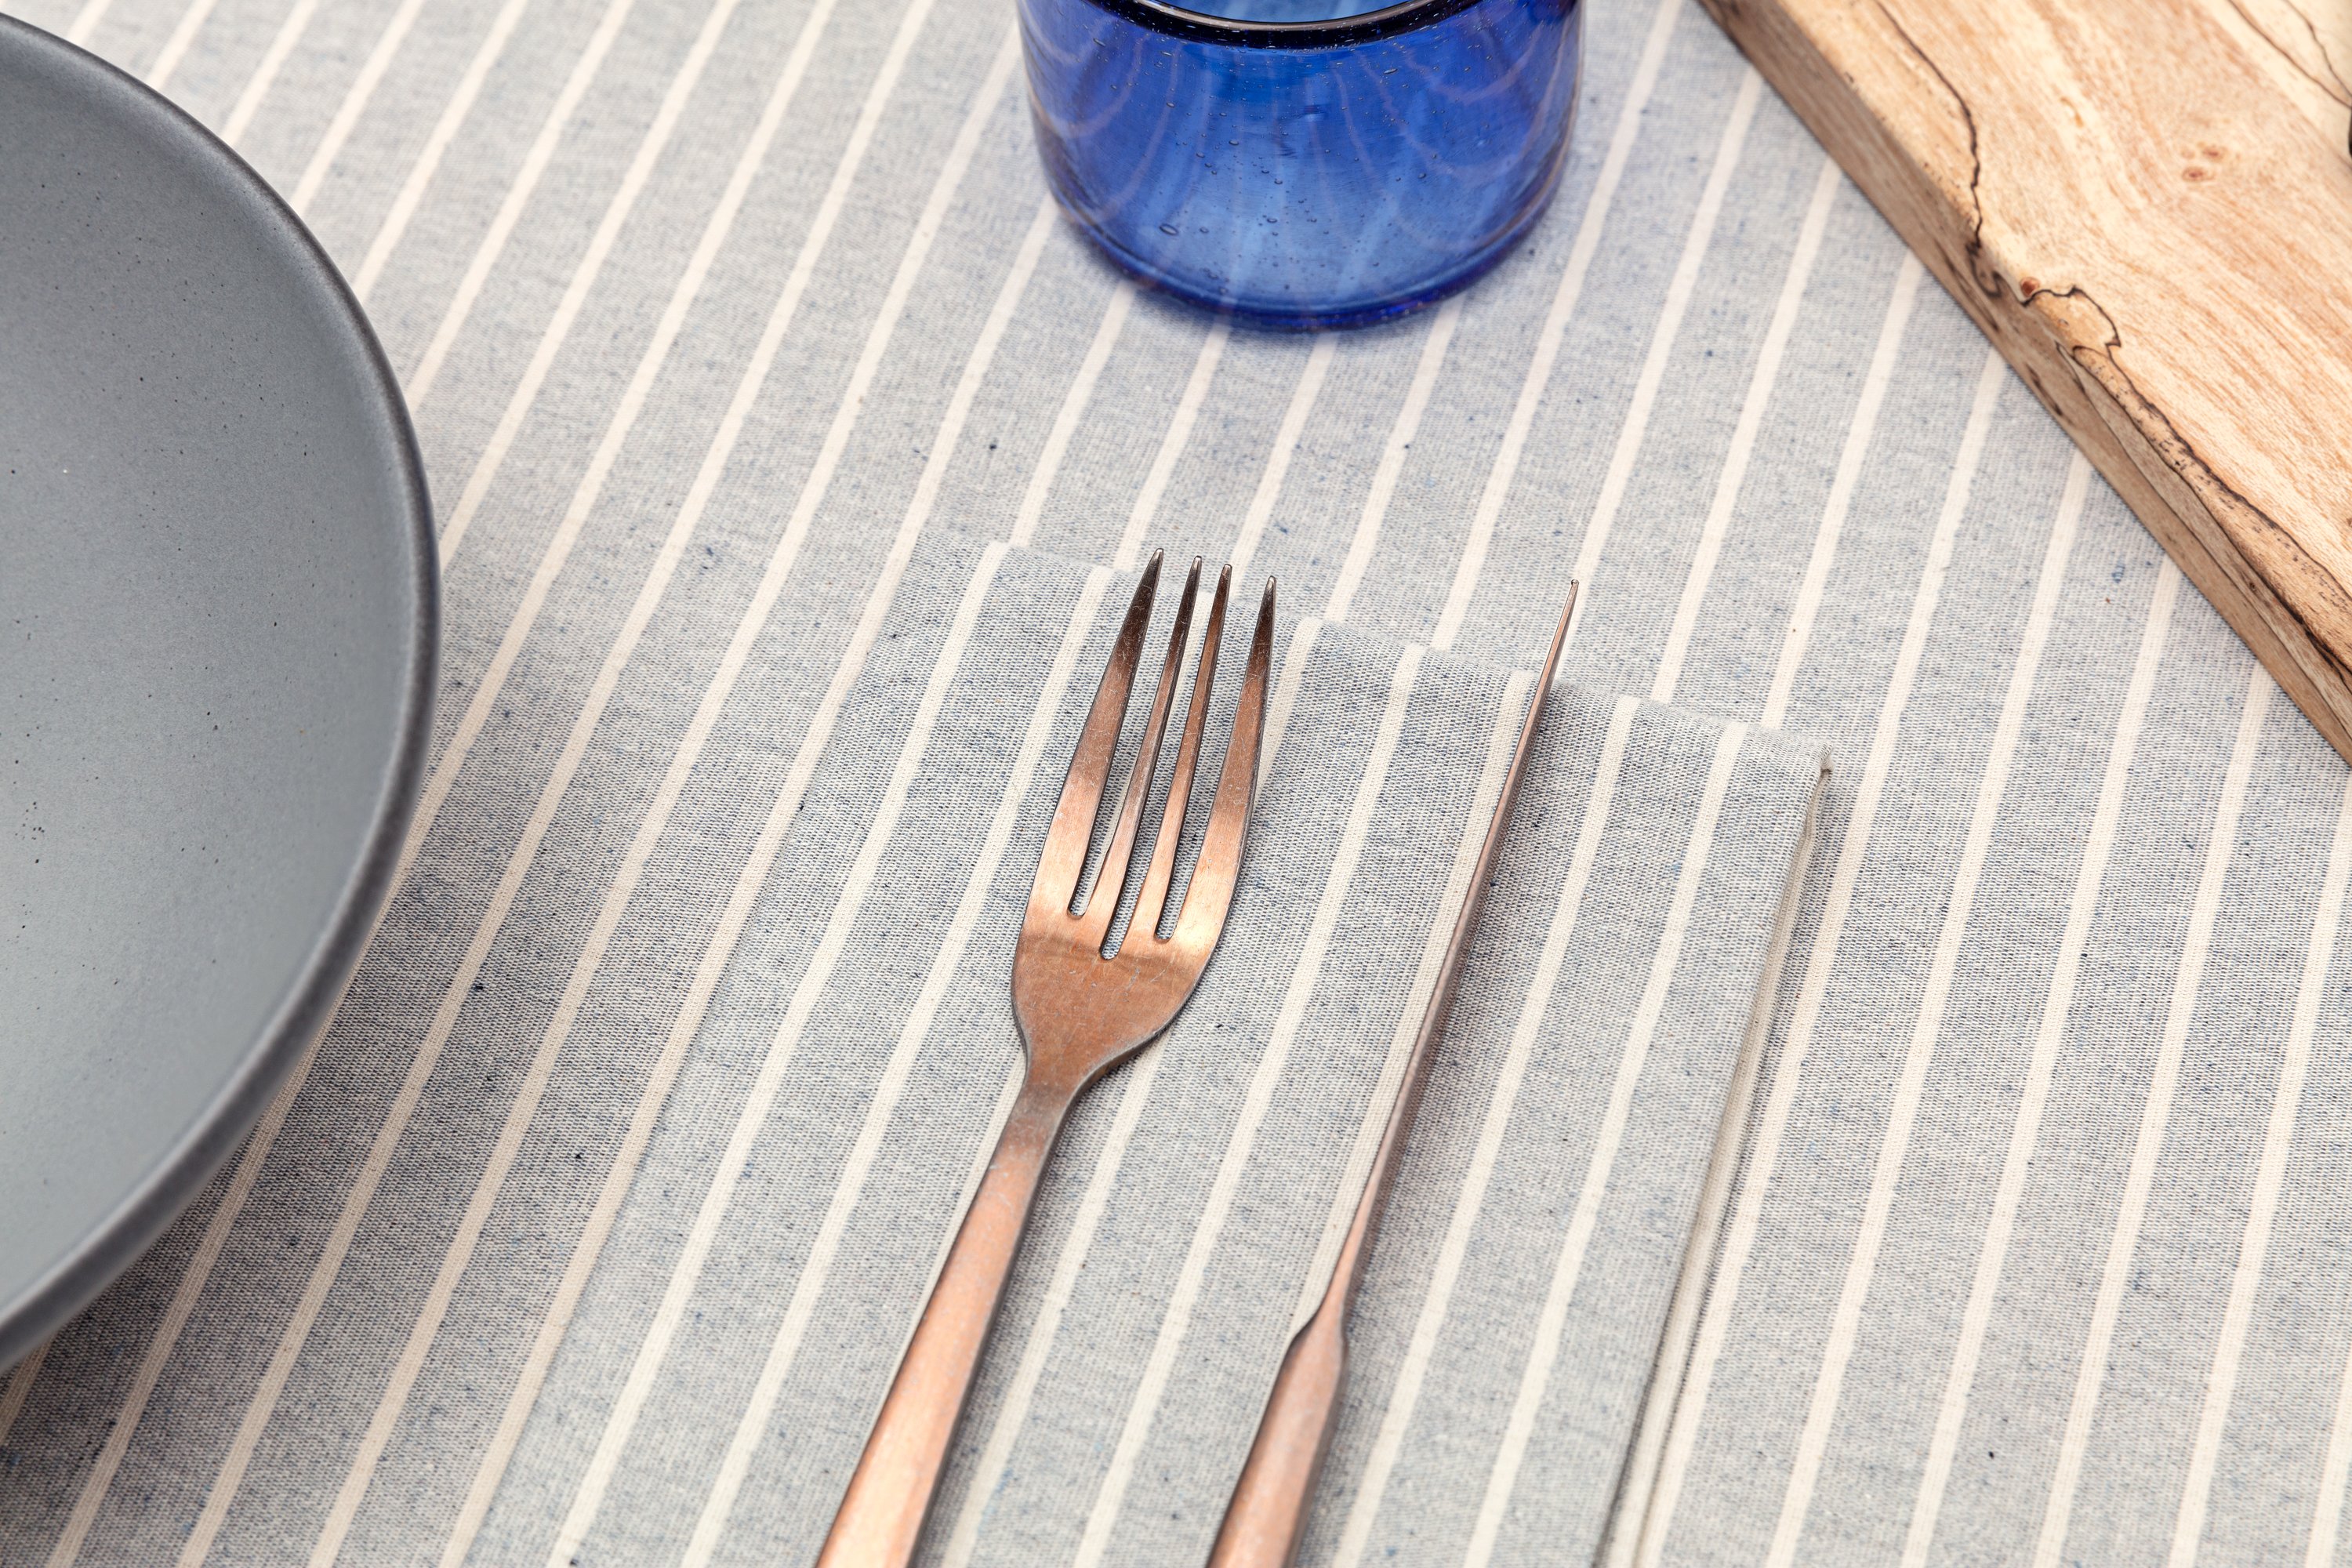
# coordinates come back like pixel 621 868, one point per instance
pixel 1267 1512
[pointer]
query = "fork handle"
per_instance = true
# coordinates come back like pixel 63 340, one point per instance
pixel 881 1517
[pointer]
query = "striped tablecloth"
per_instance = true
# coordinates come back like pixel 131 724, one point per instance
pixel 720 317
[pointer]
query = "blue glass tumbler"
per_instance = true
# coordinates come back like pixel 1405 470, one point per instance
pixel 1296 164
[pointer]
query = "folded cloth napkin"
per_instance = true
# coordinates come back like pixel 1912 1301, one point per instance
pixel 1518 1301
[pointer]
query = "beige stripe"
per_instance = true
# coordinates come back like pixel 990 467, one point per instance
pixel 2328 1511
pixel 1036 1346
pixel 185 1297
pixel 591 266
pixel 1734 472
pixel 19 1386
pixel 207 1253
pixel 1286 437
pixel 386 1141
pixel 1640 1491
pixel 2009 1191
pixel 669 1315
pixel 107 1462
pixel 1136 1080
pixel 1073 408
pixel 1552 1319
pixel 1680 289
pixel 1390 467
pixel 1013 1412
pixel 1927 1026
pixel 1009 1420
pixel 1623 1537
pixel 2270 1180
pixel 535 160
pixel 1580 252
pixel 1485 1154
pixel 490 687
pixel 265 75
pixel 175 47
pixel 645 1369
pixel 1146 510
pixel 445 131
pixel 620 1174
pixel 1176 1318
pixel 850 1185
pixel 2139 1180
pixel 1739 1240
pixel 1814 584
pixel 1510 712
pixel 355 102
pixel 86 21
pixel 1356 1531
pixel 542 1069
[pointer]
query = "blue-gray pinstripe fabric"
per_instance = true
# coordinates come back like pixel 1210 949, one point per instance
pixel 1784 1422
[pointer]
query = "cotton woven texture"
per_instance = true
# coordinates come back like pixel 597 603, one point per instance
pixel 1177 1235
pixel 711 312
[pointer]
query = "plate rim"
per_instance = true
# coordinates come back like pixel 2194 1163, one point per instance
pixel 186 1166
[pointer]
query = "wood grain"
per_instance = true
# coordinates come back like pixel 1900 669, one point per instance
pixel 2148 206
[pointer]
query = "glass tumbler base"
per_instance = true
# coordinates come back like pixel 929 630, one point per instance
pixel 1300 319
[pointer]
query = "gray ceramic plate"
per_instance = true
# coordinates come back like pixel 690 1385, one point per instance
pixel 217 595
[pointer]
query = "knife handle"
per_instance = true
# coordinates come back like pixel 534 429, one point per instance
pixel 1270 1502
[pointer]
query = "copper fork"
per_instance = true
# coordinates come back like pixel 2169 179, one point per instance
pixel 1080 1013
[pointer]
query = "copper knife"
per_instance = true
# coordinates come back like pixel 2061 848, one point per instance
pixel 1267 1514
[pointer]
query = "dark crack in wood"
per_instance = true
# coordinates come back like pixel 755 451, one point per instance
pixel 1980 268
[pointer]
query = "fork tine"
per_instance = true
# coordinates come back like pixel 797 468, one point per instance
pixel 1102 903
pixel 1065 854
pixel 1154 898
pixel 1211 892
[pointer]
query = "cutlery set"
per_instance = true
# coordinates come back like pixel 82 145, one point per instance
pixel 1084 1005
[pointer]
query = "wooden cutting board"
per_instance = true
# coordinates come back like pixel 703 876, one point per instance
pixel 2148 206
